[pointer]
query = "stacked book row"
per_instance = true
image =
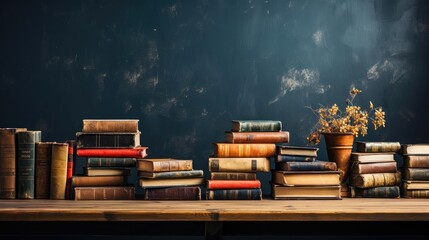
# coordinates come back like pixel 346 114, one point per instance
pixel 415 170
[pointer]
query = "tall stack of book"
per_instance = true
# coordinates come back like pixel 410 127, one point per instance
pixel 111 148
pixel 246 150
pixel 415 170
pixel 169 179
pixel 374 172
pixel 299 175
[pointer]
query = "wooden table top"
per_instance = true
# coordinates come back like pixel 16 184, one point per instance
pixel 347 209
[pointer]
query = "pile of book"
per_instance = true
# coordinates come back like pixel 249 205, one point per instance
pixel 110 148
pixel 169 179
pixel 246 150
pixel 415 170
pixel 373 171
pixel 299 175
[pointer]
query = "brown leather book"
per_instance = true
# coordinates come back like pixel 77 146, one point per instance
pixel 239 164
pixel 372 157
pixel 375 179
pixel 244 149
pixel 59 170
pixel 257 137
pixel 163 164
pixel 381 167
pixel 173 193
pixel 110 125
pixel 93 181
pixel 305 192
pixel 416 161
pixel 43 170
pixel 306 178
pixel 105 193
pixel 373 147
pixel 232 176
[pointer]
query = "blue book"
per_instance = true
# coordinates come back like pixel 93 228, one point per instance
pixel 294 158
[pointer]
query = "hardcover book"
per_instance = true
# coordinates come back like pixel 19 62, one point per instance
pixel 59 163
pixel 375 192
pixel 421 174
pixel 105 193
pixel 307 166
pixel 257 137
pixel 306 178
pixel 256 126
pixel 179 182
pixel 110 125
pixel 415 189
pixel 372 157
pixel 234 194
pixel 107 140
pixel 70 167
pixel 368 180
pixel 107 171
pixel 374 147
pixel 173 193
pixel 232 176
pixel 416 161
pixel 380 167
pixel 244 149
pixel 43 170
pixel 418 148
pixel 93 181
pixel 236 164
pixel 305 192
pixel 171 174
pixel 110 162
pixel 137 152
pixel 294 158
pixel 164 164
pixel 232 184
pixel 296 150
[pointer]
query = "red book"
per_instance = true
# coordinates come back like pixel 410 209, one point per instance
pixel 70 164
pixel 233 184
pixel 138 152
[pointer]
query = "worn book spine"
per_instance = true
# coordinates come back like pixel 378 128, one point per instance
pixel 375 179
pixel 107 171
pixel 70 167
pixel 294 158
pixel 415 193
pixel 59 170
pixel 43 170
pixel 93 181
pixel 257 137
pixel 138 152
pixel 172 174
pixel 244 149
pixel 110 125
pixel 421 174
pixel 105 193
pixel 173 193
pixel 375 192
pixel 236 184
pixel 107 140
pixel 26 162
pixel 234 194
pixel 164 166
pixel 110 162
pixel 232 176
pixel 307 166
pixel 374 147
pixel 381 167
pixel 257 164
pixel 8 162
pixel 256 126
pixel 416 161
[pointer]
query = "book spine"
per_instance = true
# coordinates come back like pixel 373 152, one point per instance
pixel 420 174
pixel 110 162
pixel 172 174
pixel 376 192
pixel 421 193
pixel 307 166
pixel 43 170
pixel 93 181
pixel 257 126
pixel 70 167
pixel 59 170
pixel 232 176
pixel 236 184
pixel 294 158
pixel 381 167
pixel 94 125
pixel 138 152
pixel 26 157
pixel 173 193
pixel 257 137
pixel 234 194
pixel 107 140
pixel 104 193
pixel 375 179
pixel 166 166
pixel 239 164
pixel 373 147
pixel 416 161
pixel 244 150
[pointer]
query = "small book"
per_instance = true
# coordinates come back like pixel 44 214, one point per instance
pixel 163 164
pixel 305 178
pixel 105 193
pixel 94 181
pixel 237 164
pixel 374 147
pixel 256 126
pixel 418 174
pixel 173 193
pixel 372 157
pixel 379 167
pixel 412 185
pixel 257 137
pixel 297 150
pixel 107 140
pixel 375 192
pixel 110 125
pixel 244 149
pixel 179 182
pixel 306 166
pixel 294 158
pixel 233 184
pixel 171 174
pixel 234 194
pixel 419 148
pixel 232 176
pixel 137 152
pixel 305 192
pixel 107 171
pixel 368 180
pixel 416 161
pixel 110 162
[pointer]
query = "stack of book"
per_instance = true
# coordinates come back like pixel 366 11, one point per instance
pixel 374 172
pixel 169 179
pixel 415 170
pixel 299 175
pixel 110 148
pixel 246 150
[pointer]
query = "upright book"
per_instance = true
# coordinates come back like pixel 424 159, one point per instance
pixel 107 140
pixel 257 137
pixel 110 125
pixel 59 163
pixel 244 149
pixel 43 170
pixel 256 126
pixel 374 147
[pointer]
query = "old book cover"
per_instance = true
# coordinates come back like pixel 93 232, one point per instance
pixel 296 150
pixel 418 148
pixel 239 164
pixel 171 174
pixel 244 149
pixel 137 152
pixel 234 194
pixel 232 184
pixel 294 158
pixel 374 147
pixel 107 140
pixel 173 193
pixel 26 162
pixel 379 167
pixel 43 170
pixel 305 178
pixel 415 193
pixel 107 171
pixel 256 126
pixel 164 164
pixel 110 125
pixel 105 193
pixel 415 185
pixel 421 174
pixel 372 157
pixel 375 192
pixel 93 181
pixel 232 176
pixel 305 192
pixel 306 166
pixel 110 162
pixel 70 167
pixel 179 182
pixel 375 179
pixel 416 161
pixel 8 162
pixel 59 170
pixel 257 137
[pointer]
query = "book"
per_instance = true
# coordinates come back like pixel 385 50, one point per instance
pixel 105 193
pixel 232 184
pixel 168 182
pixel 171 174
pixel 257 137
pixel 93 181
pixel 43 170
pixel 415 193
pixel 305 178
pixel 375 179
pixel 137 152
pixel 375 192
pixel 26 162
pixel 234 194
pixel 306 166
pixel 232 176
pixel 296 150
pixel 372 157
pixel 418 148
pixel 107 171
pixel 173 193
pixel 164 164
pixel 237 164
pixel 415 185
pixel 379 167
pixel 374 147
pixel 244 149
pixel 59 163
pixel 416 161
pixel 107 140
pixel 110 125
pixel 294 158
pixel 421 174
pixel 70 167
pixel 110 162
pixel 305 192
pixel 256 126
pixel 8 162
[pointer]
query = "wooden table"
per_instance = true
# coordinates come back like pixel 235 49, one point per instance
pixel 214 219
